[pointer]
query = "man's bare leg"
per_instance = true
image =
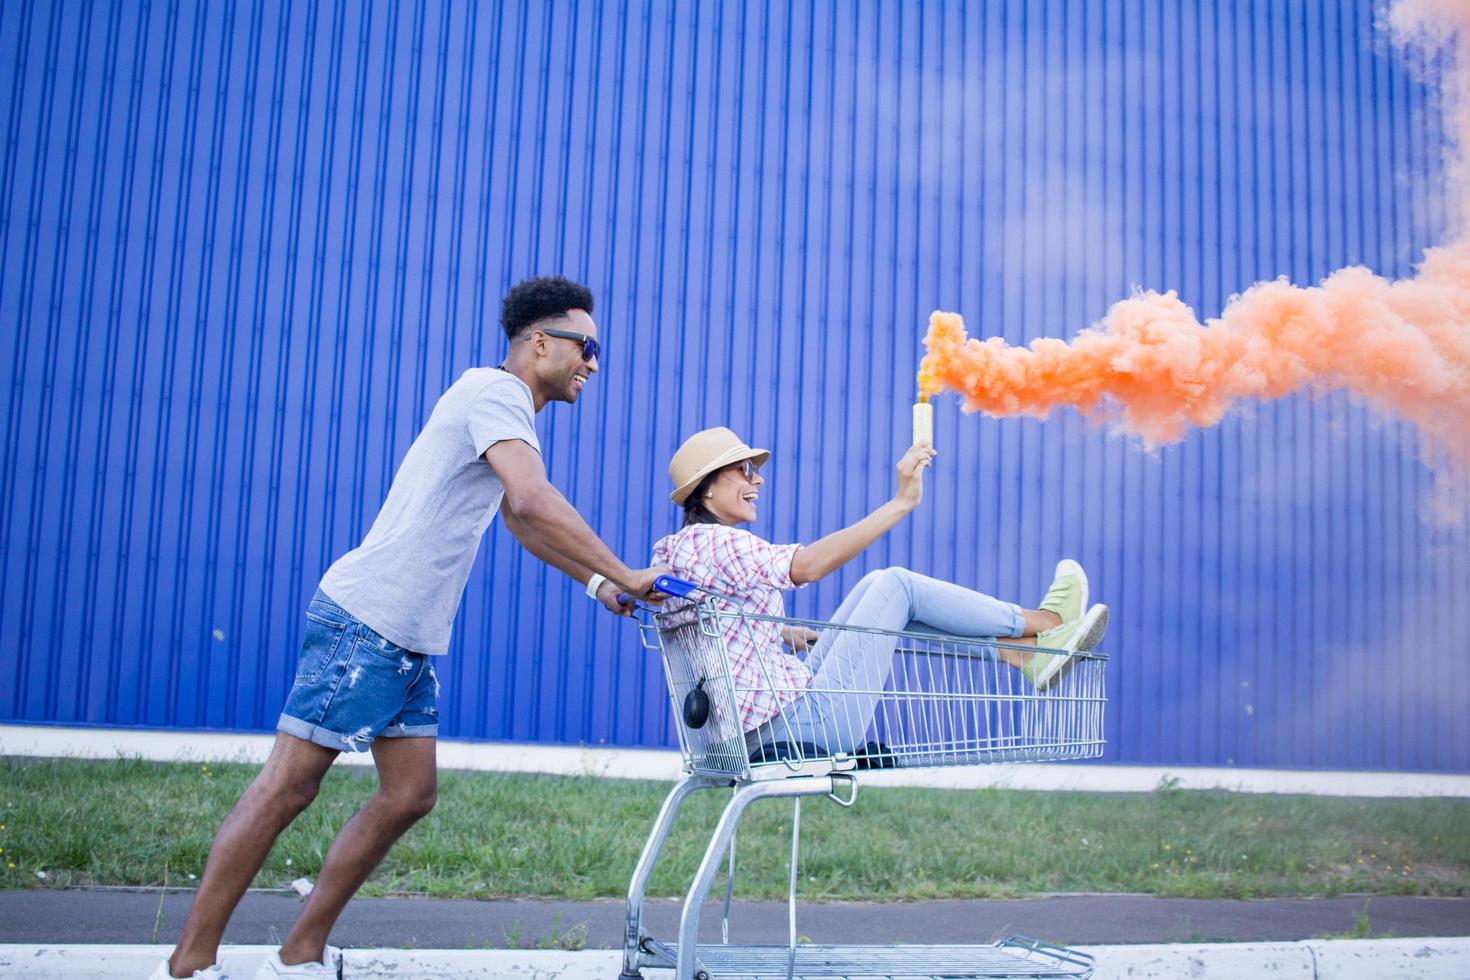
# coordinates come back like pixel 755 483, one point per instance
pixel 286 785
pixel 407 790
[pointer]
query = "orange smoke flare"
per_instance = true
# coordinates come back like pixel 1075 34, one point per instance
pixel 1403 346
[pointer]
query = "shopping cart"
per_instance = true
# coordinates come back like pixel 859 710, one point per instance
pixel 936 701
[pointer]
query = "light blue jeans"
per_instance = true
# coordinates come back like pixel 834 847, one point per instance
pixel 851 668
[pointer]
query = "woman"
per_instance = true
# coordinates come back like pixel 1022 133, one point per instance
pixel 717 481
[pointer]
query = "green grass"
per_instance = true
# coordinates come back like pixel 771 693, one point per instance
pixel 1362 927
pixel 139 823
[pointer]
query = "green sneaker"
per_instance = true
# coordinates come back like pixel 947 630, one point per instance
pixel 1081 634
pixel 1067 596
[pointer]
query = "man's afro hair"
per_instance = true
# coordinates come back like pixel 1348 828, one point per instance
pixel 541 298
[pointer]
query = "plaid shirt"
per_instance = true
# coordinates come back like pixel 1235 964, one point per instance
pixel 754 572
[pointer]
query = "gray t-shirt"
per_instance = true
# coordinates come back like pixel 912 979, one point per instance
pixel 407 577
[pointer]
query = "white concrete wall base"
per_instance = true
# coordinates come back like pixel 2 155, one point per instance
pixel 664 766
pixel 1354 959
pixel 1351 959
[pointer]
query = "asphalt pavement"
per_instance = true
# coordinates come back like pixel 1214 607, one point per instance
pixel 117 916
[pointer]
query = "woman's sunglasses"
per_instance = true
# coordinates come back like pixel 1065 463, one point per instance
pixel 747 469
pixel 590 347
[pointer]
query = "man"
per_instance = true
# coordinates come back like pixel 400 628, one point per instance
pixel 383 610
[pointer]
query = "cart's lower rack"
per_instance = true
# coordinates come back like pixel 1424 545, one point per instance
pixel 1013 957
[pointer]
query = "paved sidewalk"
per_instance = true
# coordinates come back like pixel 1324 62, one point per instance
pixel 1376 959
pixel 130 917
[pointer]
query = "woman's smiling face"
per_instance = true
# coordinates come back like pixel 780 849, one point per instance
pixel 732 495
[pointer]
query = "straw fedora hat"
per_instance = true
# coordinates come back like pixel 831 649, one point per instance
pixel 702 454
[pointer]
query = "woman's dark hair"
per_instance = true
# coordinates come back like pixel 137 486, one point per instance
pixel 695 512
pixel 540 299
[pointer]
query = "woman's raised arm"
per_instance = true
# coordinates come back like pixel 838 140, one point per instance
pixel 821 558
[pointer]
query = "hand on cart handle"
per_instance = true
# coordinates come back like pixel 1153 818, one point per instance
pixel 615 600
pixel 650 586
pixel 663 587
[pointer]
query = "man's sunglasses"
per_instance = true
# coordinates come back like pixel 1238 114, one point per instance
pixel 590 347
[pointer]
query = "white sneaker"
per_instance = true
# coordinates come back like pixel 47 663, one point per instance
pixel 215 972
pixel 330 968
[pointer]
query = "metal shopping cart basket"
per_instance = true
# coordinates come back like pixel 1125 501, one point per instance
pixel 918 699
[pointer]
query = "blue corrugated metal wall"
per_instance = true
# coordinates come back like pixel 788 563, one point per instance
pixel 243 247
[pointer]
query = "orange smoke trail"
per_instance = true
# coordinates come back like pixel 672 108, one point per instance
pixel 1403 346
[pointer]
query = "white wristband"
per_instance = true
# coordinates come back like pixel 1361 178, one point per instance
pixel 594 583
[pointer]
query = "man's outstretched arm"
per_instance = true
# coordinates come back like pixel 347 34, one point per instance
pixel 532 542
pixel 607 592
pixel 552 525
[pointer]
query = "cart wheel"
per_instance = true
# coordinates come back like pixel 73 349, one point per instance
pixel 630 976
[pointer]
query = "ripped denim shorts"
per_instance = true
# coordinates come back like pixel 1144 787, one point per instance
pixel 353 685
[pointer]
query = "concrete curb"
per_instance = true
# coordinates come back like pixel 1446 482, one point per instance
pixel 1350 959
pixel 664 765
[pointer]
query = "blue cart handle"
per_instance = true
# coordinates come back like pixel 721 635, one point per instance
pixel 668 585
